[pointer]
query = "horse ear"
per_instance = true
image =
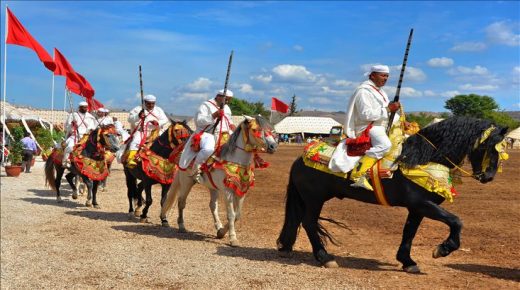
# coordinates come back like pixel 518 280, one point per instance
pixel 504 131
pixel 248 118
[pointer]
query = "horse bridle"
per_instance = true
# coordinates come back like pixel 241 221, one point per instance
pixel 257 136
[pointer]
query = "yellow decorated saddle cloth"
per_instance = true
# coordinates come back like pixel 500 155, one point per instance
pixel 93 169
pixel 156 167
pixel 238 178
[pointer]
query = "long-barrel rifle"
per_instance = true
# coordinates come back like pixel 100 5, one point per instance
pixel 398 91
pixel 142 97
pixel 225 89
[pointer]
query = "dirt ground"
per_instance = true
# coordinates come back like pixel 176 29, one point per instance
pixel 45 244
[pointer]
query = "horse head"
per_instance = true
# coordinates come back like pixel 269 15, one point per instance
pixel 107 137
pixel 258 135
pixel 487 153
pixel 179 132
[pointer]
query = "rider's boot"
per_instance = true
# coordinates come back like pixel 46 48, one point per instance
pixel 358 173
pixel 131 159
pixel 196 173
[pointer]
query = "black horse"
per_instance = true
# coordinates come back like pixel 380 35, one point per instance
pixel 92 148
pixel 447 143
pixel 170 140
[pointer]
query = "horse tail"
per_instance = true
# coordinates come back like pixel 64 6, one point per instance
pixel 294 211
pixel 50 173
pixel 325 234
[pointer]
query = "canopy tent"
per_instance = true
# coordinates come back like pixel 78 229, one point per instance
pixel 515 134
pixel 14 116
pixel 305 125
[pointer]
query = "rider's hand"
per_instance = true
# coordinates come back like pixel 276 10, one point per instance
pixel 154 122
pixel 73 123
pixel 232 127
pixel 141 114
pixel 218 114
pixel 393 107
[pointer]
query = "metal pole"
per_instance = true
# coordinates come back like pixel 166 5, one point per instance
pixel 5 85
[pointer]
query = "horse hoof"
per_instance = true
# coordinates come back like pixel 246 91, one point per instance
pixel 285 254
pixel 97 206
pixel 59 199
pixel 144 220
pixel 165 224
pixel 137 213
pixel 234 243
pixel 182 230
pixel 88 203
pixel 437 252
pixel 414 269
pixel 331 264
pixel 221 233
pixel 74 195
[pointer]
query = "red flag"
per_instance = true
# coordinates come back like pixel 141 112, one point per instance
pixel 277 105
pixel 93 104
pixel 18 35
pixel 76 83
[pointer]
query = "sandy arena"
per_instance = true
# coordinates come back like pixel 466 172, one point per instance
pixel 45 244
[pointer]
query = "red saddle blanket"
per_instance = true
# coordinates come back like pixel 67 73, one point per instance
pixel 156 167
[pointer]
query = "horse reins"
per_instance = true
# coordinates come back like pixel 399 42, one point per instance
pixel 452 163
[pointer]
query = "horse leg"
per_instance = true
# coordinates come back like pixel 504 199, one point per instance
pixel 89 185
pixel 294 210
pixel 435 212
pixel 149 200
pixel 170 198
pixel 403 254
pixel 138 198
pixel 213 207
pixel 184 189
pixel 57 182
pixel 70 179
pixel 310 224
pixel 233 241
pixel 130 189
pixel 95 187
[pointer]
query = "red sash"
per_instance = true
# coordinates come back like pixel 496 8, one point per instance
pixel 358 146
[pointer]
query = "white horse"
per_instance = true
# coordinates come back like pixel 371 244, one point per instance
pixel 251 136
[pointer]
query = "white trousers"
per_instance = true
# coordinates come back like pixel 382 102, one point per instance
pixel 207 147
pixel 69 145
pixel 380 142
pixel 136 140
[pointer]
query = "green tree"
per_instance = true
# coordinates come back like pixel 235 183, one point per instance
pixel 502 119
pixel 421 118
pixel 292 107
pixel 471 105
pixel 16 146
pixel 242 107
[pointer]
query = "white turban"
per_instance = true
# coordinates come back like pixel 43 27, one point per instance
pixel 229 93
pixel 150 98
pixel 83 104
pixel 103 110
pixel 380 69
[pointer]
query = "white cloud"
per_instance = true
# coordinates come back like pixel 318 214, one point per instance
pixel 246 88
pixel 410 73
pixel 292 72
pixel 328 91
pixel 470 87
pixel 344 83
pixel 406 92
pixel 200 84
pixel 502 33
pixel 429 93
pixel 477 70
pixel 194 96
pixel 469 46
pixel 320 100
pixel 440 62
pixel 450 94
pixel 298 47
pixel 265 79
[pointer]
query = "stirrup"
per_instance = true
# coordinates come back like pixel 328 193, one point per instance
pixel 363 182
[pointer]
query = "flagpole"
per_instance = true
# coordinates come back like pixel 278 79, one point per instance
pixel 52 99
pixel 4 124
pixel 271 117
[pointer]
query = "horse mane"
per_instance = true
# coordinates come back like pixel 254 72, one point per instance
pixel 231 144
pixel 453 138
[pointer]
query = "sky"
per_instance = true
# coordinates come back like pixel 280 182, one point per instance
pixel 318 51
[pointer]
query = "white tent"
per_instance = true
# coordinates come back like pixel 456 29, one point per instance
pixel 310 125
pixel 515 134
pixel 22 115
